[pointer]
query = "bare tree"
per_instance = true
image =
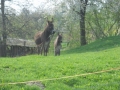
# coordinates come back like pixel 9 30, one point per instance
pixel 4 35
pixel 81 13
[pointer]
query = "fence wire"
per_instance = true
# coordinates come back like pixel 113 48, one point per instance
pixel 65 77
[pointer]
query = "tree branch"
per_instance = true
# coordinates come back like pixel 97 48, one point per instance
pixel 76 11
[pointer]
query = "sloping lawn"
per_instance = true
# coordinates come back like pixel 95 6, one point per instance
pixel 95 66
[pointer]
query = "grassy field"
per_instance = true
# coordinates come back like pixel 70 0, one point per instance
pixel 82 68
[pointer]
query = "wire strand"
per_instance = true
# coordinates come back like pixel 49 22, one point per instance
pixel 65 77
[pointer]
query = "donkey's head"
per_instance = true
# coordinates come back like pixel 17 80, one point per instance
pixel 50 26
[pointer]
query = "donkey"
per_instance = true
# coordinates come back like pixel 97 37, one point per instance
pixel 57 44
pixel 42 39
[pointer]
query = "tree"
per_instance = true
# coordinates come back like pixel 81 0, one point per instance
pixel 102 19
pixel 81 11
pixel 82 21
pixel 4 35
pixel 79 7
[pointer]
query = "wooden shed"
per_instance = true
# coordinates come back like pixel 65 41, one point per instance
pixel 19 47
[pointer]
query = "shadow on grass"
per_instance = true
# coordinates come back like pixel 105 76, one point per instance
pixel 99 45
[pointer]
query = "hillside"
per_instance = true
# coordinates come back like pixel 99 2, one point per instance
pixel 92 67
pixel 101 44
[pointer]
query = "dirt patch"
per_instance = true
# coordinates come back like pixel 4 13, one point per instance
pixel 39 84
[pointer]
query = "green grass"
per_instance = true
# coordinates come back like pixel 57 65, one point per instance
pixel 101 55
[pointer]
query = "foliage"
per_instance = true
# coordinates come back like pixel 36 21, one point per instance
pixel 25 25
pixel 102 19
pixel 97 56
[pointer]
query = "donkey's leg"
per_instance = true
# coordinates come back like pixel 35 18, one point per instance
pixel 44 52
pixel 41 49
pixel 59 52
pixel 55 52
pixel 47 48
pixel 38 50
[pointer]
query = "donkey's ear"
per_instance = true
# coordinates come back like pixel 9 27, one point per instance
pixel 61 34
pixel 52 20
pixel 47 20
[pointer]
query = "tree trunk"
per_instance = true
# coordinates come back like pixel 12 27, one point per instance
pixel 4 35
pixel 82 29
pixel 83 4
